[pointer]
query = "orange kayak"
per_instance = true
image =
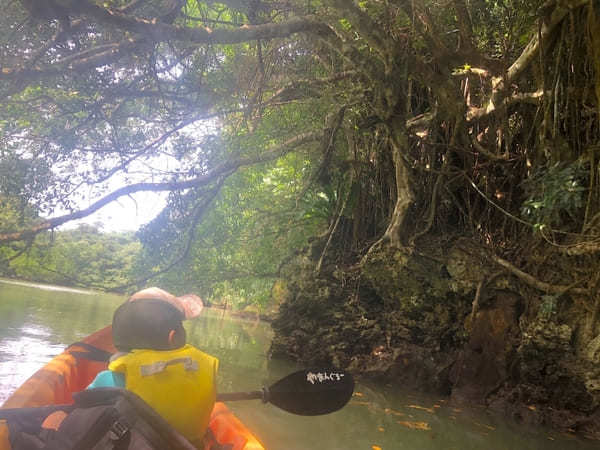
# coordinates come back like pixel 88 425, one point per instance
pixel 75 368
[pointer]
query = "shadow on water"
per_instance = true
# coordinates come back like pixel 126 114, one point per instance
pixel 36 324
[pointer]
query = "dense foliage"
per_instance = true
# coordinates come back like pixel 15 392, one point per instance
pixel 416 181
pixel 272 122
pixel 83 257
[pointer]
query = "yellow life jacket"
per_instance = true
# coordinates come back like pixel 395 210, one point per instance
pixel 179 384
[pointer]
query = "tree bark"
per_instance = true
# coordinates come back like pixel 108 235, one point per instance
pixel 164 32
pixel 404 193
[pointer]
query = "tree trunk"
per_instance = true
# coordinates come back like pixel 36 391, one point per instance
pixel 404 193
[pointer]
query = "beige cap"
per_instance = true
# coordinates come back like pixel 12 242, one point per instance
pixel 189 305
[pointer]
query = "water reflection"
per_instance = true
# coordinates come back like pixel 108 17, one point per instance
pixel 240 344
pixel 37 324
pixel 23 354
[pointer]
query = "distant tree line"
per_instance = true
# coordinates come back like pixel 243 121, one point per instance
pixel 82 257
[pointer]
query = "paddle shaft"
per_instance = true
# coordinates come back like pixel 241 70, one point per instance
pixel 232 396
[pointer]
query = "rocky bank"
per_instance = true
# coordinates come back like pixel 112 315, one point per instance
pixel 446 318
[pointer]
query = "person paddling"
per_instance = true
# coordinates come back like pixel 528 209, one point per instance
pixel 154 361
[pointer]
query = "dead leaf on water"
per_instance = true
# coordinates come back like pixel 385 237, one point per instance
pixel 380 429
pixel 391 411
pixel 415 425
pixel 422 408
pixel 489 427
pixel 456 410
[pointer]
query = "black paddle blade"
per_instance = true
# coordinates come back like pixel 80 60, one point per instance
pixel 312 392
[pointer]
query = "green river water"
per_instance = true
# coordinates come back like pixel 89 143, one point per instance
pixel 38 321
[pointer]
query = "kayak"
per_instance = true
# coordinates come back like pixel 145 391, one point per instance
pixel 75 368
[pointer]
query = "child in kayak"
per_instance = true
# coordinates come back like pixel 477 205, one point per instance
pixel 154 361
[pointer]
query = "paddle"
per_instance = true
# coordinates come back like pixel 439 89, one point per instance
pixel 308 392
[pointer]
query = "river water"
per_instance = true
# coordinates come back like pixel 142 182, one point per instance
pixel 38 321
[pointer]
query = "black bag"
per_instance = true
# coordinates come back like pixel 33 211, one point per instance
pixel 100 419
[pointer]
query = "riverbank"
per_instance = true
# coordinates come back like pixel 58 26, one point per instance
pixel 249 314
pixel 47 287
pixel 443 319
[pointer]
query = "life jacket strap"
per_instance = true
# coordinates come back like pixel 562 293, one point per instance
pixel 92 352
pixel 189 365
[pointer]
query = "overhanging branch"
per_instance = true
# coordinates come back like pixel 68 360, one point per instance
pixel 222 170
pixel 533 98
pixel 528 54
pixel 163 32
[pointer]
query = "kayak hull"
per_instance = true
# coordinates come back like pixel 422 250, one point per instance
pixel 75 368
